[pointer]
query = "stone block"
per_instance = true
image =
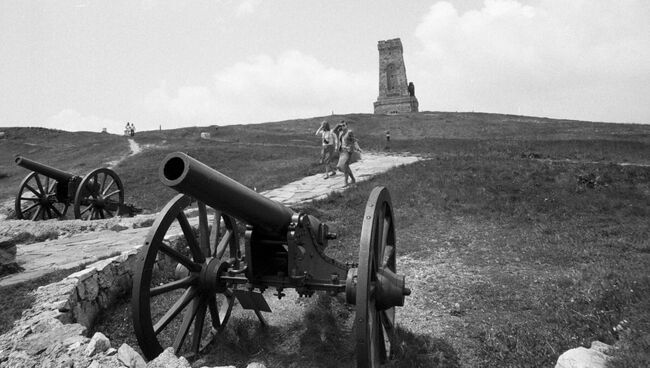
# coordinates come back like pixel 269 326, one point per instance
pixel 37 343
pixel 85 312
pixel 20 358
pixel 167 359
pixel 106 277
pixel 98 344
pixel 83 274
pixel 104 299
pixel 130 358
pixel 102 264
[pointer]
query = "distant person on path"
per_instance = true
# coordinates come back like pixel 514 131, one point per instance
pixel 350 153
pixel 388 140
pixel 132 130
pixel 329 142
pixel 127 129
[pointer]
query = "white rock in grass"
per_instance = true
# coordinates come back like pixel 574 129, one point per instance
pixel 582 357
pixel 255 365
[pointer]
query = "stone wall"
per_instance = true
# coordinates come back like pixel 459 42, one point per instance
pixel 52 332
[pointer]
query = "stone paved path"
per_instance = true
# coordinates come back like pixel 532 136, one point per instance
pixel 315 187
pixel 127 234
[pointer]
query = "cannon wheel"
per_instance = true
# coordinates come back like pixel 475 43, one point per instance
pixel 99 195
pixel 36 199
pixel 175 277
pixel 374 328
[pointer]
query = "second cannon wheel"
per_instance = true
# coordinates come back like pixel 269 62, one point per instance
pixel 99 195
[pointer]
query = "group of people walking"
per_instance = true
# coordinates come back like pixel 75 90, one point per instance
pixel 341 141
pixel 129 129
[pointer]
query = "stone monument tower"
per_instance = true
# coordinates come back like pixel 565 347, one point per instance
pixel 396 94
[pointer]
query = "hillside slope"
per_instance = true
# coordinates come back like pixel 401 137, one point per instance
pixel 519 237
pixel 264 156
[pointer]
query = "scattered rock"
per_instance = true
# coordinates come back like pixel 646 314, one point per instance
pixel 457 310
pixel 581 357
pixel 8 251
pixel 130 357
pixel 167 359
pixel 98 344
pixel 255 365
pixel 118 227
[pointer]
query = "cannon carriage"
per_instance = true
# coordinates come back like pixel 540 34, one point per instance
pixel 187 282
pixel 47 193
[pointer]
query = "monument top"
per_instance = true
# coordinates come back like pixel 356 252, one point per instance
pixel 395 43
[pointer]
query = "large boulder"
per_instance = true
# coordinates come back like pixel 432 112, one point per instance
pixel 581 357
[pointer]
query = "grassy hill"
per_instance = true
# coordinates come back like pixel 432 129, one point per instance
pixel 264 156
pixel 527 237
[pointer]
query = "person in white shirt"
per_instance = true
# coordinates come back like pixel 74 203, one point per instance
pixel 329 143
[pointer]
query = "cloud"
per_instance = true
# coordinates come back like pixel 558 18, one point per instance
pixel 587 57
pixel 264 88
pixel 246 7
pixel 188 102
pixel 72 120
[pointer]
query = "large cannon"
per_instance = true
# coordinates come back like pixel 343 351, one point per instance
pixel 186 281
pixel 47 193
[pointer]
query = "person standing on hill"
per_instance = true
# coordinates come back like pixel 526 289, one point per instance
pixel 350 153
pixel 329 142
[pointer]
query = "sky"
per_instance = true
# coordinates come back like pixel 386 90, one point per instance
pixel 88 65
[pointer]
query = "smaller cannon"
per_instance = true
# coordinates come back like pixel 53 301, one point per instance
pixel 186 282
pixel 48 192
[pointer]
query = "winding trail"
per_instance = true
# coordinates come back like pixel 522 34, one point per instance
pixel 135 149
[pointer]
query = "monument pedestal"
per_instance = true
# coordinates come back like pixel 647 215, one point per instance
pixel 396 105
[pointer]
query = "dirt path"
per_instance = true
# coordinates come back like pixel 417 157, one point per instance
pixel 135 149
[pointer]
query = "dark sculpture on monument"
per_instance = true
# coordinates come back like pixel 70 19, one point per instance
pixel 396 94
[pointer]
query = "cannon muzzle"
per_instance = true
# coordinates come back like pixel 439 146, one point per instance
pixel 56 174
pixel 189 176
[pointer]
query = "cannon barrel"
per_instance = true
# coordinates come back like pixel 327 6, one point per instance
pixel 190 176
pixel 56 174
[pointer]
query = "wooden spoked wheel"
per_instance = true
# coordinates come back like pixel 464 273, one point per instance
pixel 374 324
pixel 177 283
pixel 99 195
pixel 37 200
